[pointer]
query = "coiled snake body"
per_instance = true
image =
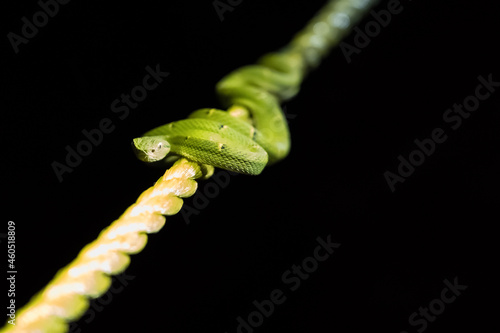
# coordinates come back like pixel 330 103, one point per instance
pixel 234 140
pixel 230 139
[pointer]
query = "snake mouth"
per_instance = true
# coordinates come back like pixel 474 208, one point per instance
pixel 142 154
pixel 139 153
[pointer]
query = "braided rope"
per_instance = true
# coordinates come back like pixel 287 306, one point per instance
pixel 65 298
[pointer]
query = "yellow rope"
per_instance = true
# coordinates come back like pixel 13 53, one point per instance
pixel 64 298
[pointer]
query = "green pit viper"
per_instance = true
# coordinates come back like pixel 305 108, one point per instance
pixel 236 142
pixel 216 137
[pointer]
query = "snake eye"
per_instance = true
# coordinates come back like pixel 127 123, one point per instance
pixel 159 146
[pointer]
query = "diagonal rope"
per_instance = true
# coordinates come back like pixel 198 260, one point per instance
pixel 66 297
pixel 63 299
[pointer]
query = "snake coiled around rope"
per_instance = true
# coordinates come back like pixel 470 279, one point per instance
pixel 253 131
pixel 234 140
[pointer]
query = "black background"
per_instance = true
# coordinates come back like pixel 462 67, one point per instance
pixel 349 124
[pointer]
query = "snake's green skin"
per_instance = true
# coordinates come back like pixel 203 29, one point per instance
pixel 228 140
pixel 214 137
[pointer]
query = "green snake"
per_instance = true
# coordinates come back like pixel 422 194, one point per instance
pixel 235 140
pixel 215 137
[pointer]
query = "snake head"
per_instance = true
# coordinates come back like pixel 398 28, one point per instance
pixel 151 148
